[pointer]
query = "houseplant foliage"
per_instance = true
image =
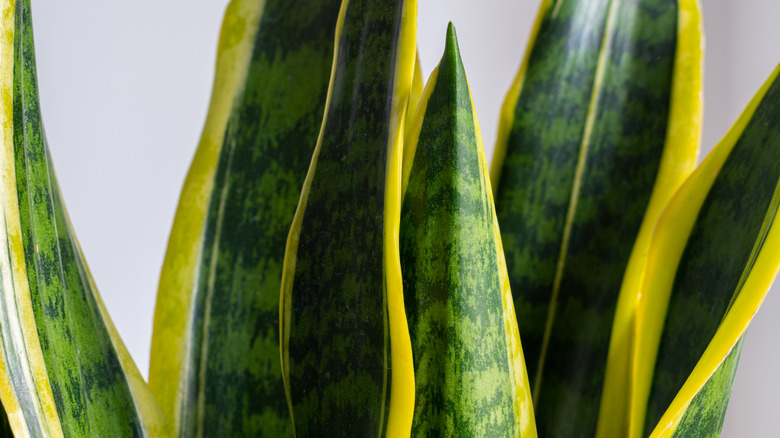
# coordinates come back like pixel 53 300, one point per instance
pixel 456 289
pixel 581 171
pixel 338 265
pixel 64 370
pixel 215 362
pixel 342 273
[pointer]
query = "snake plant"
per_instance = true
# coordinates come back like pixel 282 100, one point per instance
pixel 343 263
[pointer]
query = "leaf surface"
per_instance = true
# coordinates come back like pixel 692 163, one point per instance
pixel 585 151
pixel 215 352
pixel 469 371
pixel 713 256
pixel 64 369
pixel 346 357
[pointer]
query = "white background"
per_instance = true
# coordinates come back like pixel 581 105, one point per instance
pixel 125 87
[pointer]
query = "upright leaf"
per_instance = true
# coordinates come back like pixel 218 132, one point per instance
pixel 714 254
pixel 215 352
pixel 346 357
pixel 64 371
pixel 469 369
pixel 582 147
pixel 682 138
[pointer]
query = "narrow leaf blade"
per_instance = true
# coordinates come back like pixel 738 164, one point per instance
pixel 218 306
pixel 576 165
pixel 66 370
pixel 678 158
pixel 469 370
pixel 343 323
pixel 713 257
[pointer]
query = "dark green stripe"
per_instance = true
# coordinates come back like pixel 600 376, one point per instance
pixel 90 391
pixel 265 155
pixel 719 251
pixel 534 192
pixel 338 349
pixel 453 298
pixel 704 416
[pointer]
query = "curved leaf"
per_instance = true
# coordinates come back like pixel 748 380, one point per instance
pixel 682 139
pixel 469 370
pixel 215 352
pixel 714 254
pixel 585 141
pixel 705 414
pixel 346 357
pixel 64 369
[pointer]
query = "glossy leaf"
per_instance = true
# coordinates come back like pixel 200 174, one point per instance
pixel 581 146
pixel 346 357
pixel 64 371
pixel 215 353
pixel 469 371
pixel 714 254
pixel 682 139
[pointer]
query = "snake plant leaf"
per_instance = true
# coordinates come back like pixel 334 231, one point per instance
pixel 585 149
pixel 346 354
pixel 64 371
pixel 707 409
pixel 215 364
pixel 469 371
pixel 713 256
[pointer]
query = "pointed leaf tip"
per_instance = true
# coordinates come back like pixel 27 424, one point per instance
pixel 451 47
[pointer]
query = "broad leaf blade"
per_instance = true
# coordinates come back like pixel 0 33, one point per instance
pixel 583 134
pixel 713 257
pixel 469 371
pixel 215 357
pixel 65 370
pixel 343 325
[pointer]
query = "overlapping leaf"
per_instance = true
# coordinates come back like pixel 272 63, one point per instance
pixel 586 149
pixel 714 254
pixel 346 357
pixel 215 353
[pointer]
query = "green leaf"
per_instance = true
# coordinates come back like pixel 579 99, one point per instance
pixel 597 133
pixel 707 410
pixel 469 370
pixel 63 367
pixel 215 364
pixel 346 357
pixel 714 254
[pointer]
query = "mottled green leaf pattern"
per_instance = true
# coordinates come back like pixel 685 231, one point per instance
pixel 234 385
pixel 704 416
pixel 338 350
pixel 89 385
pixel 581 160
pixel 451 273
pixel 721 249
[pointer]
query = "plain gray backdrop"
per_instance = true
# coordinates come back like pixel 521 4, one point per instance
pixel 125 88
